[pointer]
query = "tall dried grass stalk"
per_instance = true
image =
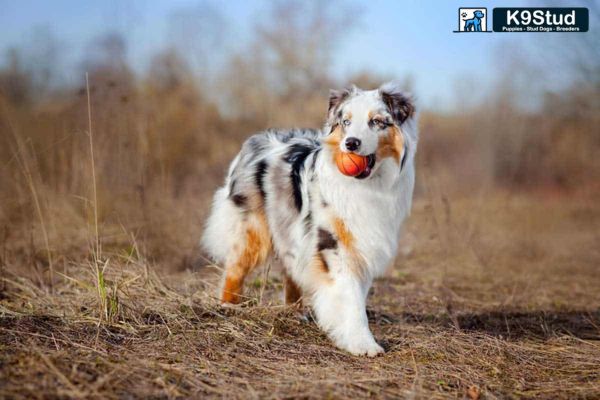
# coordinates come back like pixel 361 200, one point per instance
pixel 20 154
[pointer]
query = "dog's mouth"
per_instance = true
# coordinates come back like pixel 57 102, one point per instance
pixel 369 169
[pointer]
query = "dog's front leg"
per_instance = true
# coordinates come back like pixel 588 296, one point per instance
pixel 340 307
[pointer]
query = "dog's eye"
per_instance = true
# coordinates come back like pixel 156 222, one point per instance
pixel 379 123
pixel 346 122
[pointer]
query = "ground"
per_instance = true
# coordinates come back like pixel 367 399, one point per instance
pixel 490 297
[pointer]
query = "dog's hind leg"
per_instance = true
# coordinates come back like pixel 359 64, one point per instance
pixel 238 238
pixel 249 250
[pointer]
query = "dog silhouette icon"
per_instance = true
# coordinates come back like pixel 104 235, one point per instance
pixel 474 24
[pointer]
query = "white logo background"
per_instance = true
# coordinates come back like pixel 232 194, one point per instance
pixel 469 15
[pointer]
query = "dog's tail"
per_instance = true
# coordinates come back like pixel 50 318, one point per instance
pixel 223 226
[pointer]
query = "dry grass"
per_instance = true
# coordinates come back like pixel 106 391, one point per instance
pixel 495 297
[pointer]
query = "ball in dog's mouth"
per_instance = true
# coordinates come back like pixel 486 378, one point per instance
pixel 370 165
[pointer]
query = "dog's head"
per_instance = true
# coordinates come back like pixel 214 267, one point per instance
pixel 478 14
pixel 368 122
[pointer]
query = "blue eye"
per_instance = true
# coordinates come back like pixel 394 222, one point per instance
pixel 379 123
pixel 346 122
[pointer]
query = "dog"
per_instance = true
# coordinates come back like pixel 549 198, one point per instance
pixel 474 24
pixel 285 199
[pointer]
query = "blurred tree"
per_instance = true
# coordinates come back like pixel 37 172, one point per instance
pixel 106 63
pixel 32 69
pixel 15 81
pixel 169 71
pixel 43 60
pixel 579 56
pixel 109 49
pixel 299 38
pixel 288 65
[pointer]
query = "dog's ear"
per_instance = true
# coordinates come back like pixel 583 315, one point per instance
pixel 336 98
pixel 399 104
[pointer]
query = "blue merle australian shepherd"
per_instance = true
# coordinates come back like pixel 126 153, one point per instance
pixel 285 199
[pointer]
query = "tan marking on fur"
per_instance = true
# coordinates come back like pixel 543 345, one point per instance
pixel 293 293
pixel 321 262
pixel 333 142
pixel 335 137
pixel 346 238
pixel 255 251
pixel 232 290
pixel 321 268
pixel 343 234
pixel 391 145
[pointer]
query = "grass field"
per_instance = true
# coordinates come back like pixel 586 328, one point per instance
pixel 492 296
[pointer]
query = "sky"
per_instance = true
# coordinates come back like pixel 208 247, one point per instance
pixel 394 38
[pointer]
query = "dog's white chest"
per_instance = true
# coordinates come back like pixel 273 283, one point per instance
pixel 377 232
pixel 373 218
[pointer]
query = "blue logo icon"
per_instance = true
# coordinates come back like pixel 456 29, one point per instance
pixel 473 19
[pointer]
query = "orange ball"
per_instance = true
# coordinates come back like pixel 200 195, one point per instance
pixel 351 164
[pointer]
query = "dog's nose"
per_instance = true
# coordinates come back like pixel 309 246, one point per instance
pixel 352 143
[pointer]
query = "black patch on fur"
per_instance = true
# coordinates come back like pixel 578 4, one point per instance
pixel 308 218
pixel 259 177
pixel 314 159
pixel 308 222
pixel 404 157
pixel 326 240
pixel 336 98
pixel 296 156
pixel 239 200
pixel 399 105
pixel 232 187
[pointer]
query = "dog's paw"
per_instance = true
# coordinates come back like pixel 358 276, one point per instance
pixel 302 316
pixel 231 306
pixel 368 348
